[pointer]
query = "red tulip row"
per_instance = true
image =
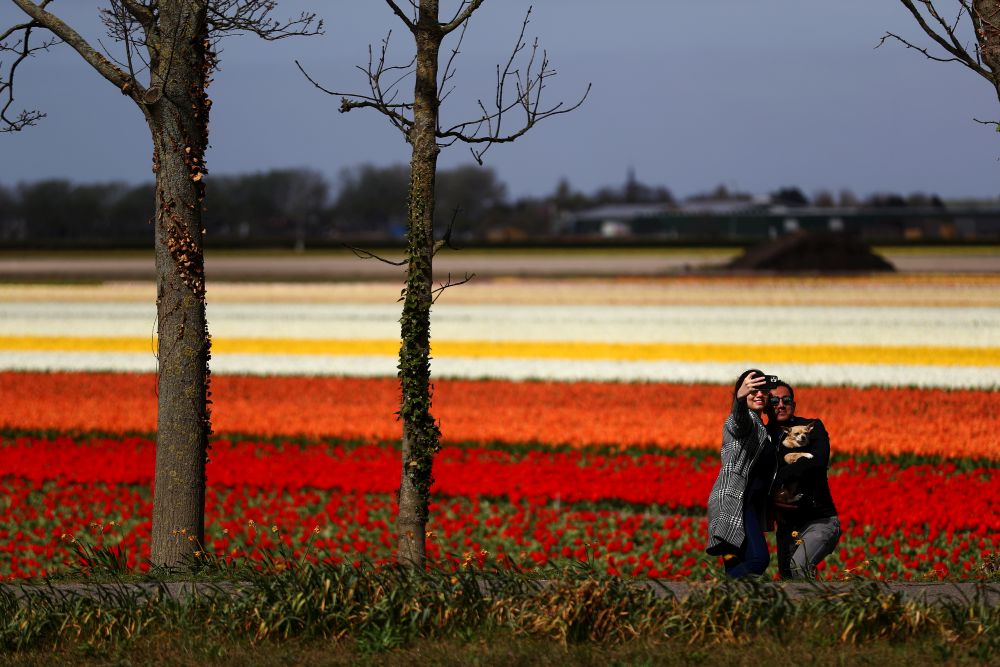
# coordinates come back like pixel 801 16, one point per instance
pixel 41 519
pixel 885 494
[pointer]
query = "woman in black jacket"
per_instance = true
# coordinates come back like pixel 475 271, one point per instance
pixel 738 503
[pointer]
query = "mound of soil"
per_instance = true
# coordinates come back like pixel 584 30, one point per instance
pixel 811 252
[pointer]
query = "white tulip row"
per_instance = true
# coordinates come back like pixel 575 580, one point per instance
pixel 857 375
pixel 751 325
pixel 746 328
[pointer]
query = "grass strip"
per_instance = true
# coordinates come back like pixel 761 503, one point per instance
pixel 386 613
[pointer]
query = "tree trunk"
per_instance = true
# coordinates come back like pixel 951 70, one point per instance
pixel 988 35
pixel 177 115
pixel 421 435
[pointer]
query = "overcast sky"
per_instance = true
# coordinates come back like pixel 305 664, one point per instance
pixel 688 93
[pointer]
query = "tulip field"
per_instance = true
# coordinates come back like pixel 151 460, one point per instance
pixel 581 418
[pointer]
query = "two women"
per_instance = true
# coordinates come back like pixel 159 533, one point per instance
pixel 737 506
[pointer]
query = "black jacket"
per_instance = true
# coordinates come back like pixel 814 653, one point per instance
pixel 805 476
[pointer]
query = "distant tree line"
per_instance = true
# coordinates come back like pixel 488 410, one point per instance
pixel 295 205
pixel 367 203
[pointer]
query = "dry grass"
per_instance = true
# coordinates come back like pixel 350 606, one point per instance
pixel 315 614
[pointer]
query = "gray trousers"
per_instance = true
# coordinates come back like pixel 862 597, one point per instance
pixel 801 552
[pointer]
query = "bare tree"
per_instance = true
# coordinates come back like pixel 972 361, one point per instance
pixel 518 90
pixel 967 32
pixel 165 65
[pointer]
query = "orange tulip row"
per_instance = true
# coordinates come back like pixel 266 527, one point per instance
pixel 950 423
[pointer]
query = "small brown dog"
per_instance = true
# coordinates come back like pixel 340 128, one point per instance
pixel 796 437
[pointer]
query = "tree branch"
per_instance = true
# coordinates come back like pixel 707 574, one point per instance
pixel 253 16
pixel 22 47
pixel 439 290
pixel 926 52
pixel 528 96
pixel 462 15
pixel 947 41
pixel 488 128
pixel 449 70
pixel 411 25
pixel 948 28
pixel 140 12
pixel 121 23
pixel 445 241
pixel 367 254
pixel 350 101
pixel 14 29
pixel 60 29
pixel 382 98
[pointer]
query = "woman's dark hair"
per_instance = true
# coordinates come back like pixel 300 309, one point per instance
pixel 743 375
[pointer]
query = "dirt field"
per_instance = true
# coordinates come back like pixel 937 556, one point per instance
pixel 309 266
pixel 317 266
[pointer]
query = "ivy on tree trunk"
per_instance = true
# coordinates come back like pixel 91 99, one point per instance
pixel 421 435
pixel 518 90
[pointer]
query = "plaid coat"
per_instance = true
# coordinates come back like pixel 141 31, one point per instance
pixel 744 437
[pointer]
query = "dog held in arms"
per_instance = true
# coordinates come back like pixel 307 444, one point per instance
pixel 796 437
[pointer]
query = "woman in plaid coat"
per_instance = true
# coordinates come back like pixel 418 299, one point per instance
pixel 738 503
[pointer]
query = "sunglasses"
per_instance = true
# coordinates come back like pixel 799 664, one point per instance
pixel 784 400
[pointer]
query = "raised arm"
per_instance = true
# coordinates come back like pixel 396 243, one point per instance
pixel 740 424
